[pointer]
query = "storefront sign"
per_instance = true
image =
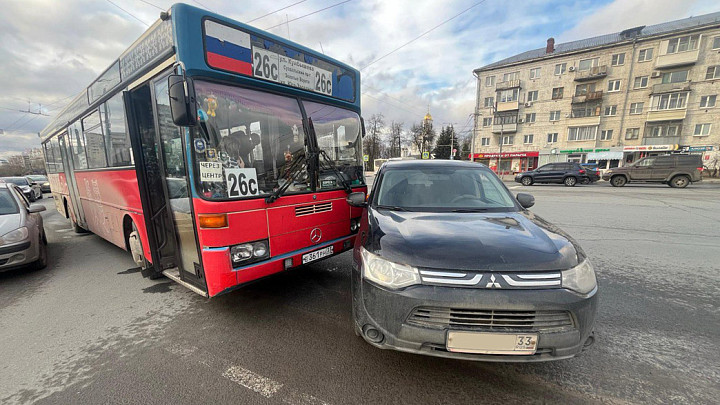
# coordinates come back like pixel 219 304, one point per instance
pixel 506 155
pixel 586 150
pixel 648 148
pixel 605 156
pixel 698 148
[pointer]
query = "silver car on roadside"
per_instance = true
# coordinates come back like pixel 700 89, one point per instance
pixel 22 236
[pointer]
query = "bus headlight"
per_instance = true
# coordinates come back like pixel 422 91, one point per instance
pixel 249 252
pixel 386 273
pixel 580 278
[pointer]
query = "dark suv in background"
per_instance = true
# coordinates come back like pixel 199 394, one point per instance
pixel 568 173
pixel 674 170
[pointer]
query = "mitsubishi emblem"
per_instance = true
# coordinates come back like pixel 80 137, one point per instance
pixel 492 283
pixel 315 235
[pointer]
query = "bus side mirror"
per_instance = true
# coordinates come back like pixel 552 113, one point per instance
pixel 362 126
pixel 356 199
pixel 182 100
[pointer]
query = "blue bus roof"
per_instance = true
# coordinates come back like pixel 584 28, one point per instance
pixel 191 34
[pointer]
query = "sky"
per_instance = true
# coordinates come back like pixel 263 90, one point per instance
pixel 50 50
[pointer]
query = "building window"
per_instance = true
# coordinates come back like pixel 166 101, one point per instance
pixel 669 101
pixel 702 129
pixel 707 101
pixel 716 43
pixel 487 122
pixel 613 85
pixel 640 82
pixel 713 72
pixel 618 59
pixel 489 102
pixel 508 139
pixel 645 55
pixel 552 138
pixel 611 110
pixel 682 44
pixel 582 133
pixel 632 133
pixel 557 93
pixel 583 89
pixel 511 76
pixel 508 95
pixel 678 76
pixel 528 139
pixel 636 108
pixel 606 134
pixel 484 141
pixel 501 119
pixel 535 73
pixel 489 81
pixel 587 64
pixel 554 115
pixel 530 118
pixel 656 131
pixel 561 67
pixel 532 96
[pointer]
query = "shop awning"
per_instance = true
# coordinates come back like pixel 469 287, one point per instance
pixel 605 156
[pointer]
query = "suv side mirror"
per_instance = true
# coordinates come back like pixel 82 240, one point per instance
pixel 356 199
pixel 36 208
pixel 526 200
pixel 33 184
pixel 182 100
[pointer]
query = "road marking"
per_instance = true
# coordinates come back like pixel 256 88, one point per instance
pixel 262 385
pixel 511 187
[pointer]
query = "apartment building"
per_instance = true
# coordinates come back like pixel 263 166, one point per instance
pixel 610 99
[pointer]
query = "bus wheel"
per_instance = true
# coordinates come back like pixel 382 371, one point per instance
pixel 77 228
pixel 136 248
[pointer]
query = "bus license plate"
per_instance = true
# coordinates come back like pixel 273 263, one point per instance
pixel 316 255
pixel 491 343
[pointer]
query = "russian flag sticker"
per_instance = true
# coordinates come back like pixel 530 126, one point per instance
pixel 227 48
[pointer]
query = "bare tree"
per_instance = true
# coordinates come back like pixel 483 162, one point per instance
pixel 396 139
pixel 373 144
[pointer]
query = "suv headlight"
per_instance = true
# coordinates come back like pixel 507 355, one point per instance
pixel 246 253
pixel 17 235
pixel 386 273
pixel 580 278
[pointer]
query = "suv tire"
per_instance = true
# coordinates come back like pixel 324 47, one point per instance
pixel 570 181
pixel 527 181
pixel 679 181
pixel 618 181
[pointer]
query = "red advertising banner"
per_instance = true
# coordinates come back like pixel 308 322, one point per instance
pixel 494 155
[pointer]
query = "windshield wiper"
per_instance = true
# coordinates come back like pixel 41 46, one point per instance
pixel 392 207
pixel 338 173
pixel 470 210
pixel 295 169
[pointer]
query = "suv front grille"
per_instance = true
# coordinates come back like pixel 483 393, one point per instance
pixel 489 320
pixel 313 209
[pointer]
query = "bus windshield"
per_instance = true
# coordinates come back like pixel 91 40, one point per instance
pixel 249 143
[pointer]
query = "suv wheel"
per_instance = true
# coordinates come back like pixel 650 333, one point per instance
pixel 618 181
pixel 680 181
pixel 570 181
pixel 526 181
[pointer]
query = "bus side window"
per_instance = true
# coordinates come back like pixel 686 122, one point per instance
pixel 77 146
pixel 117 139
pixel 94 142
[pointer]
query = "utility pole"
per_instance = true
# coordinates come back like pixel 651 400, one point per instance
pixel 452 144
pixel 475 113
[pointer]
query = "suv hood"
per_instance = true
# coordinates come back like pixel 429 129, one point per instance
pixel 510 241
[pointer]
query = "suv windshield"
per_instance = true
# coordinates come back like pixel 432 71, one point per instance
pixel 250 143
pixel 18 181
pixel 37 178
pixel 7 203
pixel 443 189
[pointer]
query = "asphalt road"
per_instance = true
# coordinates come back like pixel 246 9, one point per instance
pixel 85 330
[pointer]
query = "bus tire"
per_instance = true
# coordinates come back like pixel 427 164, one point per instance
pixel 77 228
pixel 137 250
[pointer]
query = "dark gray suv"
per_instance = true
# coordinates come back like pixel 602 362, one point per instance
pixel 674 170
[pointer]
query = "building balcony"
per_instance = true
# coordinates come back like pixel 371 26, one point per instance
pixel 592 96
pixel 510 84
pixel 677 59
pixel 666 115
pixel 594 73
pixel 670 87
pixel 584 121
pixel 507 106
pixel 504 128
pixel 661 140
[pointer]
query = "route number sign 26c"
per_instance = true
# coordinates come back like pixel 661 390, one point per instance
pixel 241 182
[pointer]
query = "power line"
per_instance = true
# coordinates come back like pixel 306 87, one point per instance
pixel 307 15
pixel 202 5
pixel 273 12
pixel 154 5
pixel 424 33
pixel 129 13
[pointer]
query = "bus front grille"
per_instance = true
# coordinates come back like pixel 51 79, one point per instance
pixel 303 210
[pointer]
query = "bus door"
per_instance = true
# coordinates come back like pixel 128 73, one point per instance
pixel 70 179
pixel 158 151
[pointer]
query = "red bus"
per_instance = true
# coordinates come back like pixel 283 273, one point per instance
pixel 214 152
